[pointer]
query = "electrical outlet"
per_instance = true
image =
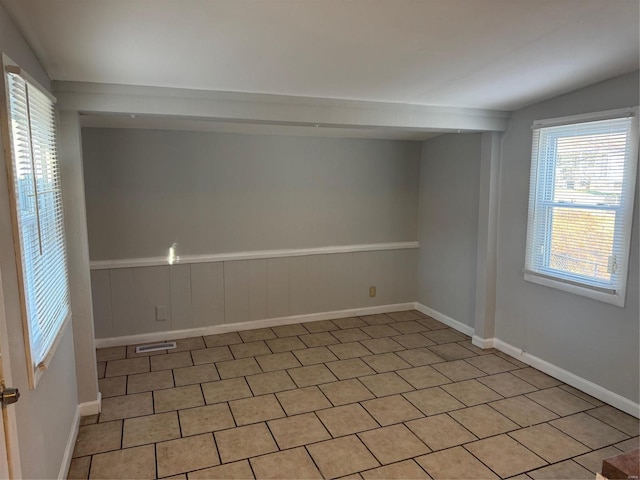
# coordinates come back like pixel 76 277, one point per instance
pixel 161 313
pixel 372 291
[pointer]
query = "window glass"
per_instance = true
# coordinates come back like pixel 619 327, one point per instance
pixel 580 205
pixel 38 219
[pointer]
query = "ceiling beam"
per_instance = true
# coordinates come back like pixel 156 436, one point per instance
pixel 97 98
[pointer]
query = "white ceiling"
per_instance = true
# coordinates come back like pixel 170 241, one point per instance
pixel 495 54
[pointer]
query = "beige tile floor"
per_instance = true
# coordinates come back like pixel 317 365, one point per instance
pixel 381 396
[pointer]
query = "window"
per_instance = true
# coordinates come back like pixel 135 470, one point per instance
pixel 38 223
pixel 583 172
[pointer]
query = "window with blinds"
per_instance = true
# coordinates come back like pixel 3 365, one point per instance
pixel 583 174
pixel 38 219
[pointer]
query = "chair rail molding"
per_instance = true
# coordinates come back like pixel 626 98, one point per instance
pixel 250 255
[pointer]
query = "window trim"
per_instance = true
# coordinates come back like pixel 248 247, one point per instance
pixel 34 371
pixel 572 285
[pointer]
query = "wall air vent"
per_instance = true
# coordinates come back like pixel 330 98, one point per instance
pixel 154 347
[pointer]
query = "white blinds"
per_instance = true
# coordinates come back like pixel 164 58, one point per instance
pixel 581 202
pixel 38 198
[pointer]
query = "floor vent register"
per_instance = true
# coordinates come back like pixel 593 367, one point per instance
pixel 154 347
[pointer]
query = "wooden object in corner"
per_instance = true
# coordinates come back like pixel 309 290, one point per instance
pixel 625 466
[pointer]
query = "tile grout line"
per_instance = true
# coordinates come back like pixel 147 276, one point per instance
pixel 402 395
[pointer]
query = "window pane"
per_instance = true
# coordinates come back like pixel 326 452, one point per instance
pixel 581 203
pixel 582 241
pixel 590 168
pixel 39 219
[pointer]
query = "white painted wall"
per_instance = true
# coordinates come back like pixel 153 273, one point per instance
pixel 594 340
pixel 44 416
pixel 215 193
pixel 448 225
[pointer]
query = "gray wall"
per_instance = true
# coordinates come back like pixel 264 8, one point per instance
pixel 594 340
pixel 206 294
pixel 44 416
pixel 75 219
pixel 214 193
pixel 16 47
pixel 448 223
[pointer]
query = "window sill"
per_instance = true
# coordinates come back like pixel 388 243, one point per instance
pixel 39 371
pixel 612 298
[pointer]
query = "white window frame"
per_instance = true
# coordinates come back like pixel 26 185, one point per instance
pixel 40 347
pixel 550 277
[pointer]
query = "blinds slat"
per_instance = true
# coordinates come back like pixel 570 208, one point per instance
pixel 40 217
pixel 579 201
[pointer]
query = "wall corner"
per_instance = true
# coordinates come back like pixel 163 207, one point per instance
pixel 78 254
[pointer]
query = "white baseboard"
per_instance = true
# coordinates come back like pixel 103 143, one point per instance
pixel 71 444
pixel 509 349
pixel 582 384
pixel 483 342
pixel 569 378
pixel 91 408
pixel 83 410
pixel 441 317
pixel 561 374
pixel 235 327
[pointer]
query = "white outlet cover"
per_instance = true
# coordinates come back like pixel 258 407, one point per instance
pixel 161 313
